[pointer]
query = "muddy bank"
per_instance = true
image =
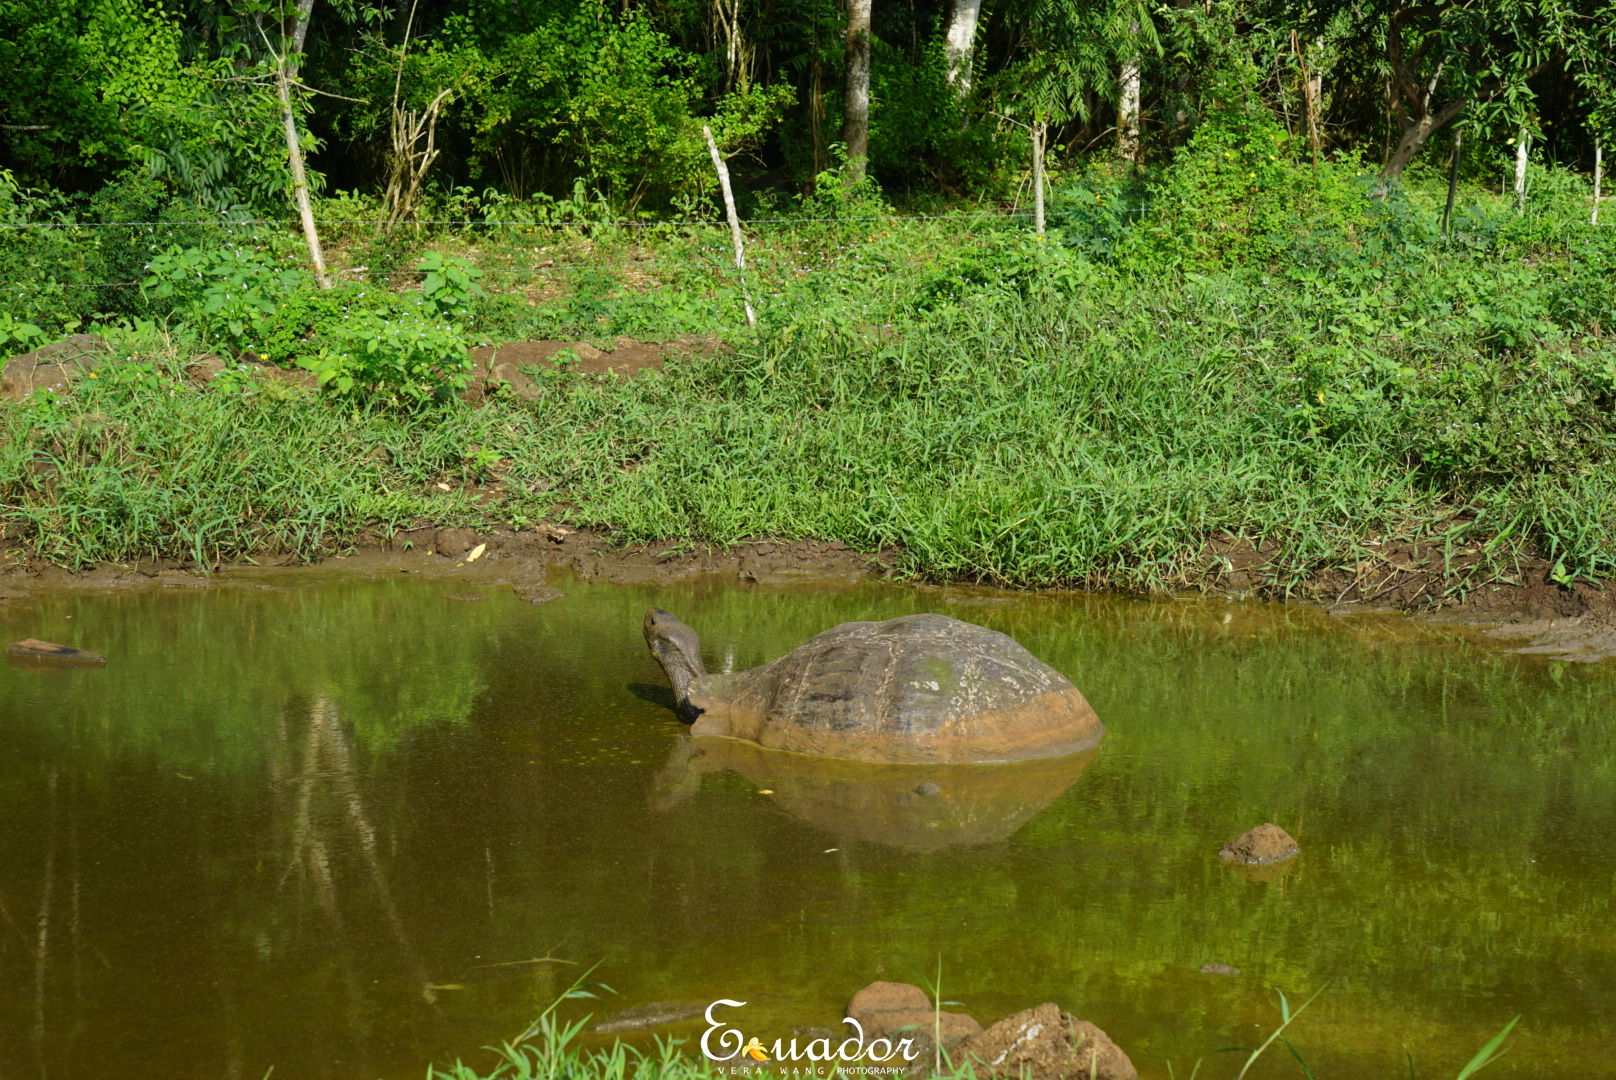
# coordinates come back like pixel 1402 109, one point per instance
pixel 1528 610
pixel 519 557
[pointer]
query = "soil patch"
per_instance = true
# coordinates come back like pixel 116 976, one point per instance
pixel 509 367
pixel 494 368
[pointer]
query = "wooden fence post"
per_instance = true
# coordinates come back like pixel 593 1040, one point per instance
pixel 734 222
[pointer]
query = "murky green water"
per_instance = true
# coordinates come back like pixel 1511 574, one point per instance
pixel 325 829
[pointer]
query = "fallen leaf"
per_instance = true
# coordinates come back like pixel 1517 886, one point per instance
pixel 477 552
pixel 765 791
pixel 828 850
pixel 443 487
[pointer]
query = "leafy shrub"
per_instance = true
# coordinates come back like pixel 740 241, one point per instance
pixel 1236 194
pixel 17 335
pixel 358 339
pixel 1093 211
pixel 1011 263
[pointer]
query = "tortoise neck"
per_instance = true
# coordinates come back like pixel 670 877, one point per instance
pixel 682 669
pixel 676 647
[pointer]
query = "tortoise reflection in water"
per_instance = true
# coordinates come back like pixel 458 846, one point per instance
pixel 909 807
pixel 922 688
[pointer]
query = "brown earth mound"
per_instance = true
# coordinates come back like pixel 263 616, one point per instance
pixel 1044 1043
pixel 1267 843
pixel 505 367
pixel 205 368
pixel 51 367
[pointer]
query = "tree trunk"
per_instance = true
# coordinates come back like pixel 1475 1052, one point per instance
pixel 1128 106
pixel 300 182
pixel 734 221
pixel 1521 147
pixel 1415 132
pixel 300 28
pixel 1453 179
pixel 738 54
pixel 816 114
pixel 1038 130
pixel 856 106
pixel 1599 174
pixel 1311 86
pixel 958 45
pixel 284 74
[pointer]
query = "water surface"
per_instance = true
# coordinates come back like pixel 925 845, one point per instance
pixel 346 829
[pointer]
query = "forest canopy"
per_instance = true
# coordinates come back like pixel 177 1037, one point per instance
pixel 524 98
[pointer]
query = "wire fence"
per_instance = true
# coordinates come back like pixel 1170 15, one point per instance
pixel 759 256
pixel 519 223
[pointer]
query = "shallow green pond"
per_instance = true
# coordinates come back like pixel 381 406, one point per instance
pixel 326 828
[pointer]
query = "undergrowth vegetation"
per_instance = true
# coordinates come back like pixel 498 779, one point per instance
pixel 1176 361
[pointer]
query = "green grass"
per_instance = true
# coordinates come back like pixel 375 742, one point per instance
pixel 1001 408
pixel 548 1051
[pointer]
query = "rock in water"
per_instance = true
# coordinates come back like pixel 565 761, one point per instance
pixel 34 649
pixel 882 1008
pixel 1045 1043
pixel 1267 843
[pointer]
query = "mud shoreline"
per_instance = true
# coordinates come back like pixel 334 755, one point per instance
pixel 1529 613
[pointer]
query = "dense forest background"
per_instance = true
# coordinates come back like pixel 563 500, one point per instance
pixel 497 101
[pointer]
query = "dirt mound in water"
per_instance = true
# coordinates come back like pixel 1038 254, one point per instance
pixel 1267 843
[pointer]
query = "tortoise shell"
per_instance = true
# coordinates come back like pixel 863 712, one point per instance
pixel 922 688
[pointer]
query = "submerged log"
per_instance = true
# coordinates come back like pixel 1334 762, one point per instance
pixel 34 649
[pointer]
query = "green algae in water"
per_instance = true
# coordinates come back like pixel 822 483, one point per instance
pixel 346 829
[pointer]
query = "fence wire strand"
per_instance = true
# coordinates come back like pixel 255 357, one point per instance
pixel 496 223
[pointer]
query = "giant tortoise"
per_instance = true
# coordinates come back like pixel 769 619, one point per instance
pixel 921 688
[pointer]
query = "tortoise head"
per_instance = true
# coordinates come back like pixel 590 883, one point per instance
pixel 677 648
